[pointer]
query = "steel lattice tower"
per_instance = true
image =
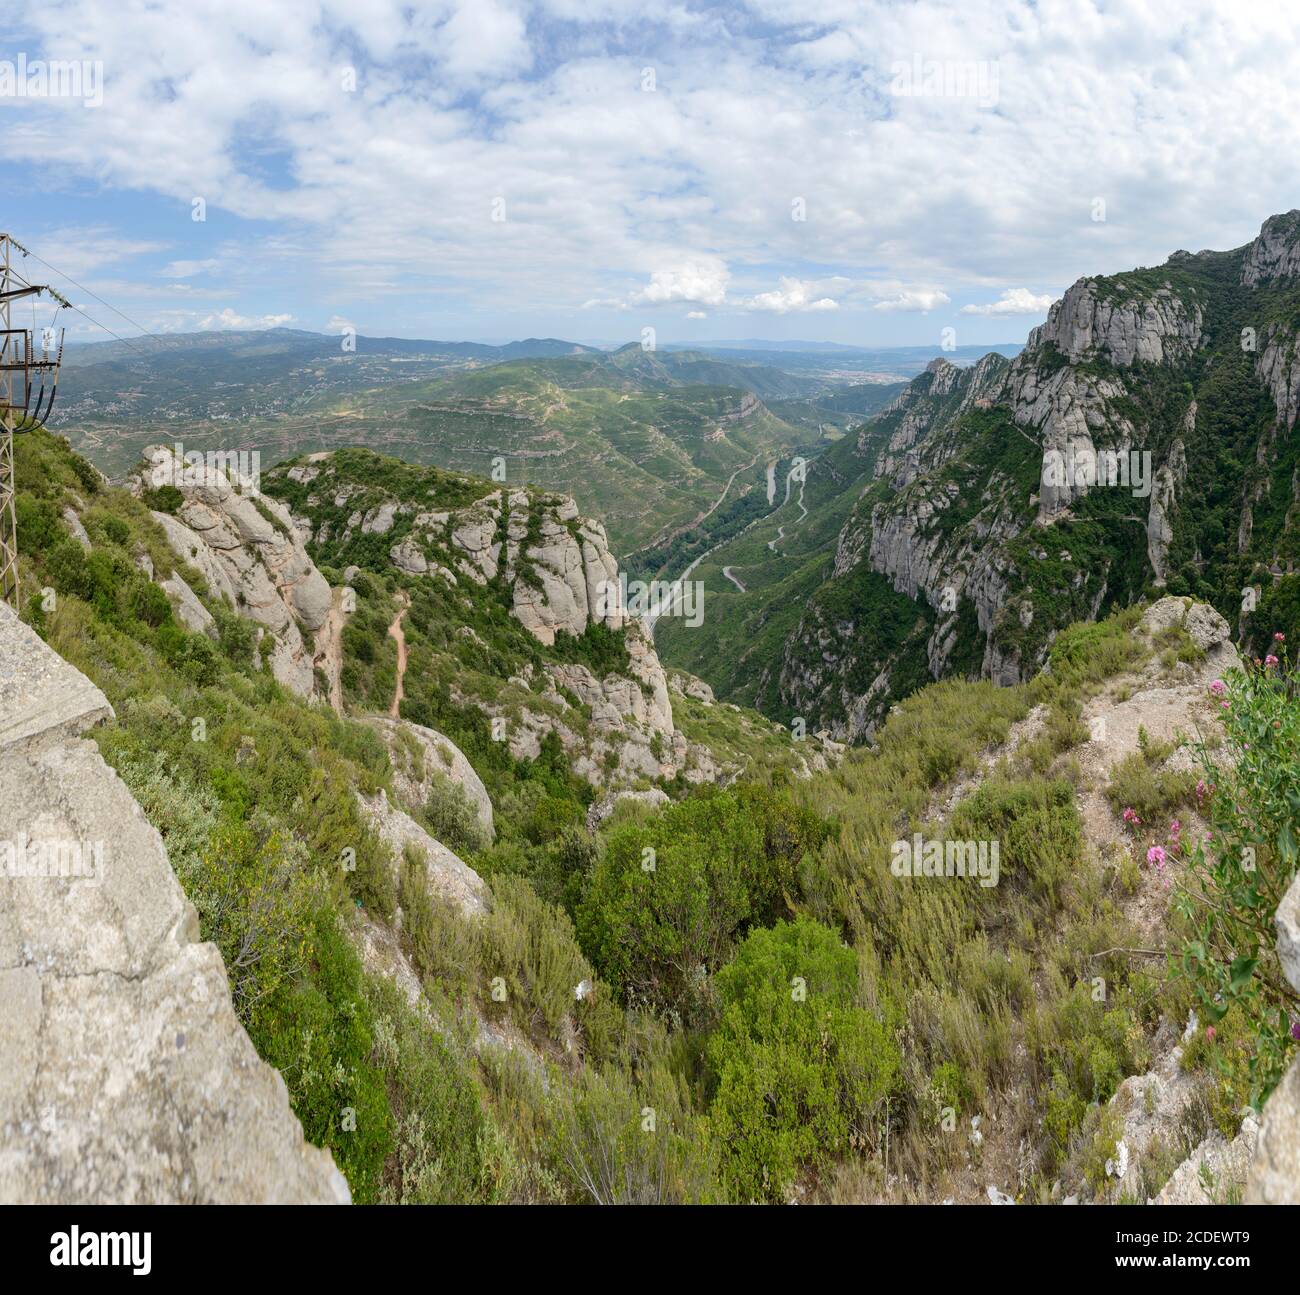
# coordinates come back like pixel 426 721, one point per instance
pixel 20 366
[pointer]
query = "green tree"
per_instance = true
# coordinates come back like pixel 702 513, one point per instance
pixel 801 1070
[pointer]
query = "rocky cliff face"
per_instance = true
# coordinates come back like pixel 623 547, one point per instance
pixel 529 551
pixel 125 1076
pixel 245 546
pixel 1275 254
pixel 1149 415
pixel 1122 330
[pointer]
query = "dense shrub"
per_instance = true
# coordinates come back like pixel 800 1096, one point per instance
pixel 1240 872
pixel 801 1070
pixel 670 894
pixel 452 818
pixel 528 947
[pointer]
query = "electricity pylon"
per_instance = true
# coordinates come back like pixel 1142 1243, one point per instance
pixel 20 366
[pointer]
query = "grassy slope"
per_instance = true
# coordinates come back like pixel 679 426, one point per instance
pixel 987 991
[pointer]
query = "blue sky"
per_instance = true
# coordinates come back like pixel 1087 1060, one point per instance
pixel 859 173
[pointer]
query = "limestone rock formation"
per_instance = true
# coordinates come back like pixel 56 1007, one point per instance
pixel 1168 480
pixel 1154 330
pixel 190 611
pixel 448 875
pixel 1275 1172
pixel 246 546
pixel 567 578
pixel 419 755
pixel 1275 254
pixel 553 571
pixel 125 1076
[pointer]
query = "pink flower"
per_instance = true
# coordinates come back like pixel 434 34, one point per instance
pixel 1210 1032
pixel 1130 817
pixel 1270 660
pixel 1218 687
pixel 1175 827
pixel 1279 638
pixel 1295 1030
pixel 1156 856
pixel 1225 705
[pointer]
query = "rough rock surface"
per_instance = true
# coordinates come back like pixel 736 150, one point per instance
pixel 73 523
pixel 1154 330
pixel 1214 1171
pixel 1169 478
pixel 448 875
pixel 125 1076
pixel 192 613
pixel 1275 254
pixel 1278 367
pixel 246 546
pixel 1153 1107
pixel 571 578
pixel 419 754
pixel 1275 1172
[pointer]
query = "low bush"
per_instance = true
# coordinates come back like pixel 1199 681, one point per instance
pixel 801 1071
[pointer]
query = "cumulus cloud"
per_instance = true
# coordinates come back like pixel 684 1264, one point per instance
pixel 792 295
pixel 918 300
pixel 703 281
pixel 387 192
pixel 228 318
pixel 1013 301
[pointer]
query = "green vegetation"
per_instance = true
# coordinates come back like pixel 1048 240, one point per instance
pixel 802 1067
pixel 1238 874
pixel 734 997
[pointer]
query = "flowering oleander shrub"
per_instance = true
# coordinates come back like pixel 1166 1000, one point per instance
pixel 1239 872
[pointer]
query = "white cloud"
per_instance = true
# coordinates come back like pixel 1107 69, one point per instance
pixel 696 314
pixel 793 295
pixel 703 281
pixel 188 269
pixel 459 102
pixel 1013 301
pixel 228 318
pixel 918 300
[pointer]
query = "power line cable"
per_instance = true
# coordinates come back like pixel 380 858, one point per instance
pixel 81 287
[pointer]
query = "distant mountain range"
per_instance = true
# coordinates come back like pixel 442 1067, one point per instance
pixel 298 342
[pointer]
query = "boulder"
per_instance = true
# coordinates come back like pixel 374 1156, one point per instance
pixel 125 1075
pixel 449 876
pixel 418 754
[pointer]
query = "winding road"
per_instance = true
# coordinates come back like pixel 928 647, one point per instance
pixel 665 605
